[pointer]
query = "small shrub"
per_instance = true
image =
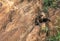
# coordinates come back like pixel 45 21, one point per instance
pixel 50 3
pixel 55 38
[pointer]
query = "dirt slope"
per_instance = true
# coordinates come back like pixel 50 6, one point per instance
pixel 17 20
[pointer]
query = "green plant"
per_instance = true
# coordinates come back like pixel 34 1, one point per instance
pixel 49 3
pixel 55 38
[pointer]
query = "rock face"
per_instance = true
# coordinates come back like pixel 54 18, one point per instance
pixel 17 20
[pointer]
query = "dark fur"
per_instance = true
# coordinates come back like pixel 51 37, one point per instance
pixel 39 20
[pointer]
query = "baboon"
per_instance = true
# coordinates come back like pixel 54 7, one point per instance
pixel 39 20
